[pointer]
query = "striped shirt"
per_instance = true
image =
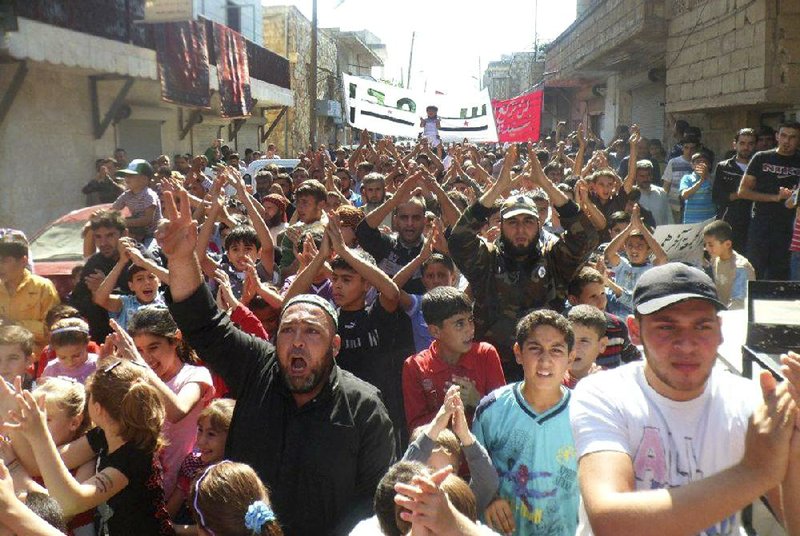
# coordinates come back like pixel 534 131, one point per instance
pixel 699 206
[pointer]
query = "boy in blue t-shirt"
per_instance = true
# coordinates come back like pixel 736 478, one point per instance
pixel 695 192
pixel 639 245
pixel 525 428
pixel 437 270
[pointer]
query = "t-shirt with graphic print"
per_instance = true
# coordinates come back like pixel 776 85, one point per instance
pixel 670 443
pixel 773 171
pixel 534 456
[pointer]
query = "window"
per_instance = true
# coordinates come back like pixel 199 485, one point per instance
pixel 234 16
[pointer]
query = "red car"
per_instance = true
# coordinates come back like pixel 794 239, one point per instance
pixel 58 248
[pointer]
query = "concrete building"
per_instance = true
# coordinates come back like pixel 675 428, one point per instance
pixel 514 75
pixel 288 31
pixel 721 65
pixel 75 85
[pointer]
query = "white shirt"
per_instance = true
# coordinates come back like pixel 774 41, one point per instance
pixel 670 443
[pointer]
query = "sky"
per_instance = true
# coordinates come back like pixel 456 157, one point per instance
pixel 453 38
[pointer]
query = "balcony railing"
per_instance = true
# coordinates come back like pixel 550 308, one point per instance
pixel 115 19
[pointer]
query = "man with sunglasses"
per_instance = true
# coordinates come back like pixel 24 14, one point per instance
pixel 319 437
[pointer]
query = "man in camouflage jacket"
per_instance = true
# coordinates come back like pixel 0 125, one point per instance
pixel 517 273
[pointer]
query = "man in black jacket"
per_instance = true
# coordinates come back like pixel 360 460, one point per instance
pixel 319 437
pixel 725 192
pixel 107 227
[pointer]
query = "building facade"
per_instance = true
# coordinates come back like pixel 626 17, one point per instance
pixel 514 75
pixel 288 31
pixel 721 65
pixel 78 84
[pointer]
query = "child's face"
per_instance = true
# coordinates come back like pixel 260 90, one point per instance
pixel 545 357
pixel 144 285
pixel 616 229
pixel 588 345
pixel 456 333
pixel 13 361
pixel 592 294
pixel 62 427
pixel 11 268
pixel 71 356
pixel 441 458
pixel 431 112
pixel 637 250
pixel 437 275
pixel 349 289
pixel 210 442
pixel 160 353
pixel 715 247
pixel 603 186
pixel 136 183
pixel 239 254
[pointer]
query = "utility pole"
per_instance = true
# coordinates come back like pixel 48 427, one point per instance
pixel 313 78
pixel 535 31
pixel 410 57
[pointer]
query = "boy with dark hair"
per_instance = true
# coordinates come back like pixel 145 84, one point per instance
pixel 695 191
pixel 589 325
pixel 525 428
pixel 142 276
pixel 16 354
pixel 589 287
pixel 730 270
pixel 437 270
pixel 309 199
pixel 618 222
pixel 245 244
pixel 25 298
pixel 367 331
pixel 639 244
pixel 453 358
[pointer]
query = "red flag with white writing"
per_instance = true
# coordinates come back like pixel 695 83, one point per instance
pixel 519 119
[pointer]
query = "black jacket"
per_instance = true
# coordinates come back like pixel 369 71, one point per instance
pixel 323 461
pixel 727 177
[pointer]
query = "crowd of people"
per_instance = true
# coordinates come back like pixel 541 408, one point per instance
pixel 405 338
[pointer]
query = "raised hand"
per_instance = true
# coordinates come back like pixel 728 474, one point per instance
pixel 29 417
pixel 429 510
pixel 123 343
pixel 224 290
pixel 177 233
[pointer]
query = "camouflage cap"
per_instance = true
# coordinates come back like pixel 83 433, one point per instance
pixel 518 204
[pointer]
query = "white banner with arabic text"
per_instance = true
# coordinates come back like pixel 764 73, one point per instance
pixel 395 111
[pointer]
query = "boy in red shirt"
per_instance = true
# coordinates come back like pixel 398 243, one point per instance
pixel 453 358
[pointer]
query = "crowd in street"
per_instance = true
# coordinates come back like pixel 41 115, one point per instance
pixel 411 337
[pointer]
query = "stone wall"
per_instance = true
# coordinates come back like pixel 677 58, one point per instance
pixel 732 53
pixel 298 118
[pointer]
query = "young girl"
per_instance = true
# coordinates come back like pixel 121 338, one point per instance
pixel 69 339
pixel 185 389
pixel 229 499
pixel 67 420
pixel 126 488
pixel 212 434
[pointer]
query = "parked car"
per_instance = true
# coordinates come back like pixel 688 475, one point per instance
pixel 58 248
pixel 286 165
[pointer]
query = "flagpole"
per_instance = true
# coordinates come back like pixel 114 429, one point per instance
pixel 535 30
pixel 410 57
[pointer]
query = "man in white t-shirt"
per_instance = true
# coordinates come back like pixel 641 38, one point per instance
pixel 672 444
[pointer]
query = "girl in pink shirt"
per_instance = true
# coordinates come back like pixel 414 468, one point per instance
pixel 184 388
pixel 69 339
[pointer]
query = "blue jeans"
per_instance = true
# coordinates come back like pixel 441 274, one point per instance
pixel 794 266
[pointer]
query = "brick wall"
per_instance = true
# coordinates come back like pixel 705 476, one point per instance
pixel 298 117
pixel 719 53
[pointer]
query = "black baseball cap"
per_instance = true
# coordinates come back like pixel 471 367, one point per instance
pixel 671 283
